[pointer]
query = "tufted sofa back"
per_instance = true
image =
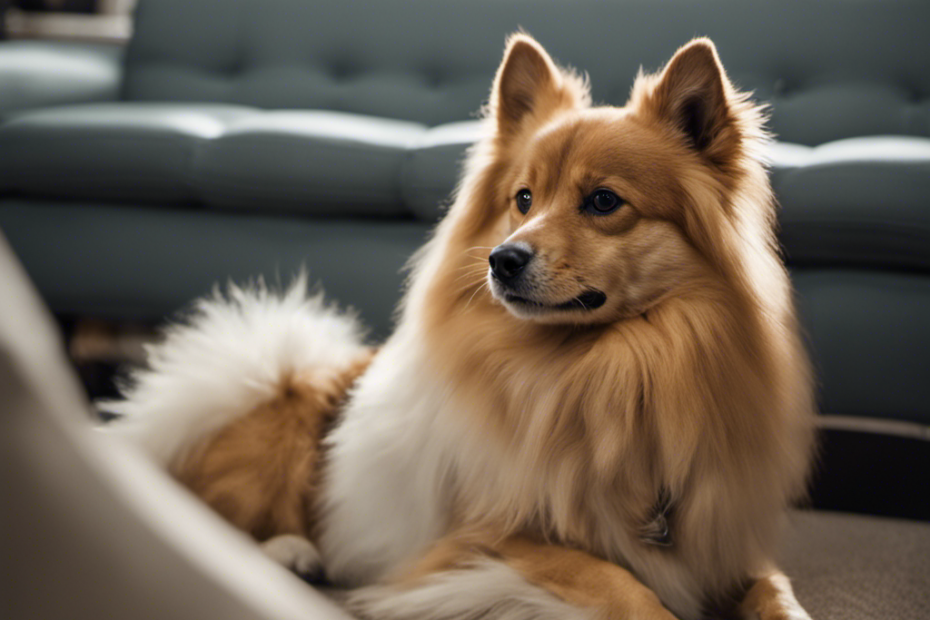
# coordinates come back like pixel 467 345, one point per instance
pixel 832 69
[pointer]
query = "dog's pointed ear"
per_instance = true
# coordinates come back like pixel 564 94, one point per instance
pixel 693 94
pixel 529 87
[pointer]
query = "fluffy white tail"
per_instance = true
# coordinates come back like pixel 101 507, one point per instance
pixel 230 355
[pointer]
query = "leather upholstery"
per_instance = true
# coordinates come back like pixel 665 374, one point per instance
pixel 140 152
pixel 319 162
pixel 831 69
pixel 869 340
pixel 854 202
pixel 434 166
pixel 40 74
pixel 124 261
pixel 861 201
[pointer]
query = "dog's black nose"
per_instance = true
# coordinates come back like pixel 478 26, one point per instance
pixel 507 261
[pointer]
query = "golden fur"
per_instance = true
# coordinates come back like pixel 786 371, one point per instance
pixel 689 383
pixel 261 472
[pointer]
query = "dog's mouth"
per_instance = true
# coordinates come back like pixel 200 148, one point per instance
pixel 587 301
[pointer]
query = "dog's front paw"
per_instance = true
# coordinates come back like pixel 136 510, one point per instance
pixel 791 612
pixel 296 553
pixel 772 598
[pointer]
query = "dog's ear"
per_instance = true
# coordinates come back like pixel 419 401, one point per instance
pixel 529 87
pixel 693 94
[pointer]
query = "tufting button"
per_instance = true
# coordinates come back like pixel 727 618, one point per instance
pixel 341 69
pixel 780 88
pixel 432 76
pixel 236 65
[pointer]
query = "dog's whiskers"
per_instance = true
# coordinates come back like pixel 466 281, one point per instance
pixel 465 286
pixel 473 268
pixel 470 252
pixel 480 264
pixel 468 285
pixel 477 290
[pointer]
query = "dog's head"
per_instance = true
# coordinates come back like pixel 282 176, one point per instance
pixel 602 212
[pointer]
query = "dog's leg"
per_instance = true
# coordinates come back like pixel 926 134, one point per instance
pixel 261 471
pixel 517 579
pixel 771 598
pixel 584 580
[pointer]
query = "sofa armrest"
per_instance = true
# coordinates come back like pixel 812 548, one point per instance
pixel 37 74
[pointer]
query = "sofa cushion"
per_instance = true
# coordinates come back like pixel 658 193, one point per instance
pixel 869 337
pixel 857 201
pixel 37 74
pixel 433 166
pixel 118 151
pixel 122 261
pixel 325 163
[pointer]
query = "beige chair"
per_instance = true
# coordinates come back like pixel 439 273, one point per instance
pixel 91 530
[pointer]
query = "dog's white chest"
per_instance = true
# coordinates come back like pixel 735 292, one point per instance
pixel 387 473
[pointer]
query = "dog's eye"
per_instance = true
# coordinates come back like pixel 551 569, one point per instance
pixel 524 200
pixel 602 202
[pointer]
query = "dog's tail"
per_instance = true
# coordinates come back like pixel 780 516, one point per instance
pixel 236 352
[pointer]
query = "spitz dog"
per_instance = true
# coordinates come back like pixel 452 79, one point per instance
pixel 596 402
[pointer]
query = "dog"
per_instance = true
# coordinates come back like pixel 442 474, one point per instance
pixel 596 401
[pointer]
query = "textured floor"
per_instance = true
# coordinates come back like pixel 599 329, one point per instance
pixel 851 567
pixel 859 568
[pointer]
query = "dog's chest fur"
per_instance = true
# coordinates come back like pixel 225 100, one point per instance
pixel 414 458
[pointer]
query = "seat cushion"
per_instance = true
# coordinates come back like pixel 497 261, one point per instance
pixel 320 162
pixel 112 151
pixel 434 165
pixel 861 201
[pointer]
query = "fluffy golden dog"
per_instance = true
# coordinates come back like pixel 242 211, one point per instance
pixel 596 402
